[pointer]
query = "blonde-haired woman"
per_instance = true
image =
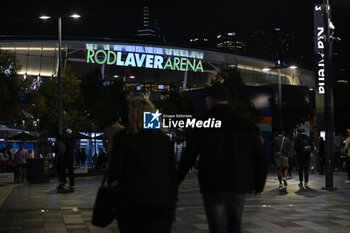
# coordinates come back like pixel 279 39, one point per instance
pixel 142 161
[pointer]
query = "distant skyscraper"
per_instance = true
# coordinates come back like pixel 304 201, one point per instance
pixel 230 42
pixel 150 28
pixel 200 42
pixel 273 44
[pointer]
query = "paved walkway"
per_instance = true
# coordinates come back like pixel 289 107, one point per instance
pixel 36 208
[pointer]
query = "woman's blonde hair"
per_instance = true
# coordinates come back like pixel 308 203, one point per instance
pixel 136 108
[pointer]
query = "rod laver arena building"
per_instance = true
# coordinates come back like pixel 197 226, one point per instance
pixel 145 63
pixel 146 67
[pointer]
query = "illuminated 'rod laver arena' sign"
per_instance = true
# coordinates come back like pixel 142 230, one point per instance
pixel 153 61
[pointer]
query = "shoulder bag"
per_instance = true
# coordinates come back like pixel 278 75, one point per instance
pixel 278 154
pixel 104 211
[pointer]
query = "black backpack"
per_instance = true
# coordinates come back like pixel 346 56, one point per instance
pixel 304 145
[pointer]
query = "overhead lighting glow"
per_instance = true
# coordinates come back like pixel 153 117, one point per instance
pixel 75 16
pixel 266 69
pixel 27 48
pixel 115 76
pixel 132 77
pixel 293 67
pixel 44 17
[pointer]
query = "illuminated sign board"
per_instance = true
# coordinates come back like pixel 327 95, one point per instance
pixel 147 57
pixel 319 35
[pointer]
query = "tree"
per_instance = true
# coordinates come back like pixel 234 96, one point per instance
pixel 45 103
pixel 177 102
pixel 12 89
pixel 232 80
pixel 103 103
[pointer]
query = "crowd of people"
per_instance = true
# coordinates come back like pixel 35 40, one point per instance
pixel 144 176
pixel 304 154
pixel 14 161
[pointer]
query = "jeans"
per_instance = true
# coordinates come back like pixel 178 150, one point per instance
pixel 60 170
pixel 304 164
pixel 70 167
pixel 224 211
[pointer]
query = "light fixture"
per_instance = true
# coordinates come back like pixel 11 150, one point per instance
pixel 44 17
pixel 75 16
pixel 342 81
pixel 132 77
pixel 115 76
pixel 293 67
pixel 266 69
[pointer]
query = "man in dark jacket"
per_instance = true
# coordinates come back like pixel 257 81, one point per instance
pixel 69 142
pixel 303 147
pixel 60 164
pixel 231 162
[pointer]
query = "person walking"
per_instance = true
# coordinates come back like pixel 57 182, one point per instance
pixel 21 161
pixel 142 162
pixel 282 153
pixel 231 162
pixel 82 157
pixel 60 164
pixel 69 142
pixel 347 153
pixel 321 155
pixel 3 160
pixel 9 163
pixel 110 131
pixel 303 147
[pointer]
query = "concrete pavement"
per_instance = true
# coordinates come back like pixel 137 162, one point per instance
pixel 39 208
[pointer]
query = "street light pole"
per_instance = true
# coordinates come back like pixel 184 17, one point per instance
pixel 329 110
pixel 279 67
pixel 59 75
pixel 280 97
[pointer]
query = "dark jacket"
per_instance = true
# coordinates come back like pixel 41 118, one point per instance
pixel 69 141
pixel 301 142
pixel 59 149
pixel 144 165
pixel 231 158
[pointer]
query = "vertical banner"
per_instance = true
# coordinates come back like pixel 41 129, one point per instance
pixel 319 35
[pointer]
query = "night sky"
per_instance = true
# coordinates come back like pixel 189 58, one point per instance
pixel 179 20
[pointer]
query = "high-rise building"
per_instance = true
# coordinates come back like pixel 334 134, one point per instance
pixel 150 30
pixel 200 42
pixel 231 42
pixel 272 44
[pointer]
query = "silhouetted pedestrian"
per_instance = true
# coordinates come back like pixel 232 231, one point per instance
pixel 321 155
pixel 231 162
pixel 69 141
pixel 82 157
pixel 347 154
pixel 59 149
pixel 142 162
pixel 21 161
pixel 303 147
pixel 282 151
pixel 110 131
